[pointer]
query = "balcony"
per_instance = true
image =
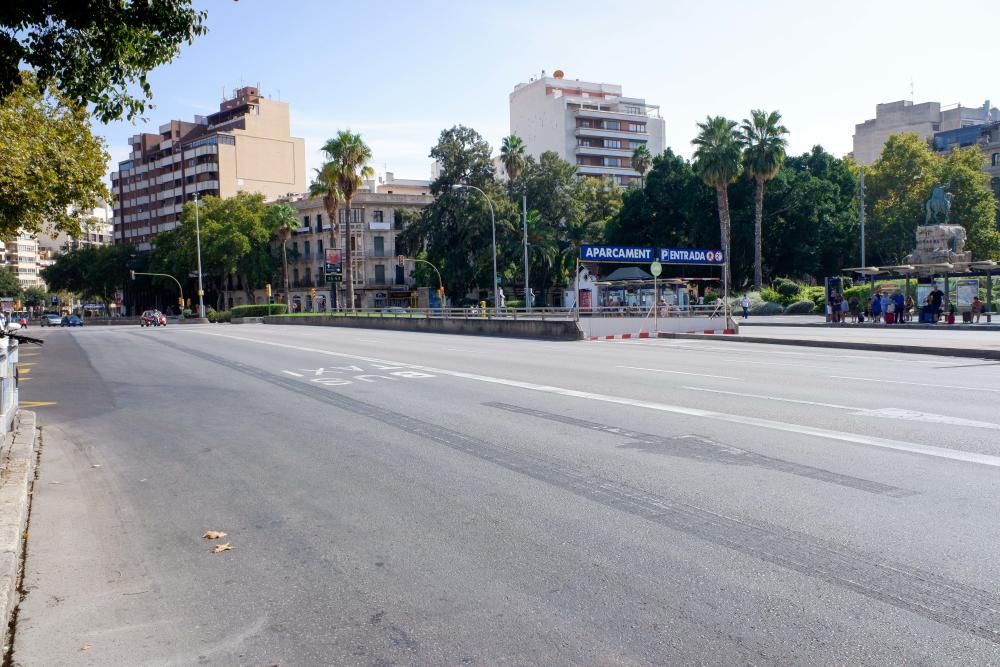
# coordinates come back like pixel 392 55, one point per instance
pixel 599 170
pixel 613 134
pixel 600 150
pixel 380 226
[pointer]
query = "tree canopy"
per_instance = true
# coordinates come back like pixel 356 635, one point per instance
pixel 51 165
pixel 95 52
pixel 90 271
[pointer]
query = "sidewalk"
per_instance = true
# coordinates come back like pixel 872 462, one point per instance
pixel 982 344
pixel 17 472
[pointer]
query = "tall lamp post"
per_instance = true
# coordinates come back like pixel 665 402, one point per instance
pixel 493 218
pixel 197 235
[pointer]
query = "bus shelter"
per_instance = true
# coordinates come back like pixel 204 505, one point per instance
pixel 930 273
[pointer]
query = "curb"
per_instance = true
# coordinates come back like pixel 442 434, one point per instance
pixel 907 326
pixel 641 334
pixel 848 345
pixel 17 472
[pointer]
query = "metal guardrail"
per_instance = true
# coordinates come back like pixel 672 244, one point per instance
pixel 706 310
pixel 457 313
pixel 8 382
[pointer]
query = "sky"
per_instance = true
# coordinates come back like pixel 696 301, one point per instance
pixel 401 72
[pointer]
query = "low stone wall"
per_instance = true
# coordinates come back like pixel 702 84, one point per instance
pixel 519 328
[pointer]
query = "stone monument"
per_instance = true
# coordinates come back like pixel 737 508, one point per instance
pixel 937 241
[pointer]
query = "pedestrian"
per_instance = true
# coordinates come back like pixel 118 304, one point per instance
pixel 845 309
pixel 899 302
pixel 876 308
pixel 977 309
pixel 854 307
pixel 745 305
pixel 884 302
pixel 937 302
pixel 908 308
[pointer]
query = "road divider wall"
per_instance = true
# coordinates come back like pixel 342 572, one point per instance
pixel 477 326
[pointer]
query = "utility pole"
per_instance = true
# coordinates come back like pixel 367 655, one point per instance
pixel 524 213
pixel 197 233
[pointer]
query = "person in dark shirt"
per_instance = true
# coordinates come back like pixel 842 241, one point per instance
pixel 937 300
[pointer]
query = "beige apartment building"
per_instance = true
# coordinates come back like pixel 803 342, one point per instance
pixel 924 119
pixel 591 125
pixel 21 256
pixel 245 146
pixel 377 218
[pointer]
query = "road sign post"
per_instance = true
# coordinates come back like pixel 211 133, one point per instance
pixel 656 269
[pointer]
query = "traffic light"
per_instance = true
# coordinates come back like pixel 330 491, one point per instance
pixel 267 290
pixel 180 302
pixel 400 259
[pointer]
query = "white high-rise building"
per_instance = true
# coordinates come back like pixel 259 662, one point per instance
pixel 591 125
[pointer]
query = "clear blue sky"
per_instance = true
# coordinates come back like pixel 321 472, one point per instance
pixel 400 72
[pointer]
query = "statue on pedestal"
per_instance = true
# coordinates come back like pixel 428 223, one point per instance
pixel 937 241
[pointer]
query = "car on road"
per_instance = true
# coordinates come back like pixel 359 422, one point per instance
pixel 152 318
pixel 51 320
pixel 395 310
pixel 71 321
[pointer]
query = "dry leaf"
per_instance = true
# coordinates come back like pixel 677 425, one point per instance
pixel 96 465
pixel 219 548
pixel 213 534
pixel 85 647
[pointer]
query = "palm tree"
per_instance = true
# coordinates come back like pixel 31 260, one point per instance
pixel 717 159
pixel 763 138
pixel 642 159
pixel 339 180
pixel 512 156
pixel 280 219
pixel 325 186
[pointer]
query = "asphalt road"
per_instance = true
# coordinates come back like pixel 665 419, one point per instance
pixel 396 498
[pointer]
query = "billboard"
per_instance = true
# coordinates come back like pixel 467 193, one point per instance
pixel 691 256
pixel 613 253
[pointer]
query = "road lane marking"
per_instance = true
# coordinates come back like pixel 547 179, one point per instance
pixel 293 373
pixel 660 370
pixel 799 429
pixel 916 384
pixel 890 413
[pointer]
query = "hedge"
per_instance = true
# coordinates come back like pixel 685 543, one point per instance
pixel 803 307
pixel 259 310
pixel 218 315
pixel 767 309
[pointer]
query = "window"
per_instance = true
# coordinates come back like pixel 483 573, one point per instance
pixel 996 160
pixel 612 143
pixel 355 215
pixel 295 275
pixel 636 127
pixel 319 222
pixel 612 125
pixel 309 274
pixel 379 246
pixel 305 221
pixel 635 111
pixel 354 245
pixel 306 249
pixel 583 142
pixel 295 248
pixel 585 122
pixel 319 247
pixel 620 180
pixel 380 274
pixel 377 215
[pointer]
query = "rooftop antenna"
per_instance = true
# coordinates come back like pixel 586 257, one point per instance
pixel 912 98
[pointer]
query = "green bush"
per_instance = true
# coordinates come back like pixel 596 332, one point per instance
pixel 787 288
pixel 514 303
pixel 767 308
pixel 259 310
pixel 770 295
pixel 217 315
pixel 186 312
pixel 803 307
pixel 734 302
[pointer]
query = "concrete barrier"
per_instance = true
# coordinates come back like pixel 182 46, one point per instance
pixel 509 328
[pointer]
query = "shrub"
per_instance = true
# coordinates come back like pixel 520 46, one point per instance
pixel 803 307
pixel 513 303
pixel 259 310
pixel 186 312
pixel 787 288
pixel 217 315
pixel 770 295
pixel 767 309
pixel 734 302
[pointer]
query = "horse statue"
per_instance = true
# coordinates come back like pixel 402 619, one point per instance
pixel 938 207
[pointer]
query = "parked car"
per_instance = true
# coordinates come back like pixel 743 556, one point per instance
pixel 51 320
pixel 152 318
pixel 71 321
pixel 397 310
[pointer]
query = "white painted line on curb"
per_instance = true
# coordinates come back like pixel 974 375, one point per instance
pixel 660 370
pixel 916 384
pixel 853 438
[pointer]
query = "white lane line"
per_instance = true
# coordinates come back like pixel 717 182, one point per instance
pixel 853 438
pixel 916 384
pixel 833 353
pixel 660 370
pixel 888 413
pixel 293 374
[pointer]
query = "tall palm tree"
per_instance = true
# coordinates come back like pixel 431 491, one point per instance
pixel 718 161
pixel 763 138
pixel 642 160
pixel 325 186
pixel 339 179
pixel 513 157
pixel 280 219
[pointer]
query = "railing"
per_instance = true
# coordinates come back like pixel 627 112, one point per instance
pixel 561 314
pixel 8 382
pixel 705 310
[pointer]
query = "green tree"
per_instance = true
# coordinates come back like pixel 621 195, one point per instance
pixel 763 139
pixel 10 286
pixel 92 272
pixel 94 51
pixel 455 229
pixel 347 158
pixel 896 187
pixel 974 204
pixel 282 220
pixel 35 297
pixel 642 159
pixel 513 157
pixel 718 161
pixel 51 165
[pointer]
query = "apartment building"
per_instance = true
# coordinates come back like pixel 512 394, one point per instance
pixel 21 256
pixel 591 125
pixel 245 146
pixel 95 229
pixel 376 219
pixel 924 119
pixel 985 136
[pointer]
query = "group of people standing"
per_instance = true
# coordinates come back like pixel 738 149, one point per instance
pixel 883 307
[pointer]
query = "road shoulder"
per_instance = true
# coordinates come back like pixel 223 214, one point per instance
pixel 17 474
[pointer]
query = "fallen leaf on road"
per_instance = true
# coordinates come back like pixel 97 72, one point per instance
pixel 218 549
pixel 85 647
pixel 55 482
pixel 213 534
pixel 96 465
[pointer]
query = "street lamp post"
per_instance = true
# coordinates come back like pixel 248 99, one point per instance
pixel 197 234
pixel 493 219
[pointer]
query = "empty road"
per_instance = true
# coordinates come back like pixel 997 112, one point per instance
pixel 421 499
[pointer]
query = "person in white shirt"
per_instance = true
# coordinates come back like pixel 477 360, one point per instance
pixel 745 305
